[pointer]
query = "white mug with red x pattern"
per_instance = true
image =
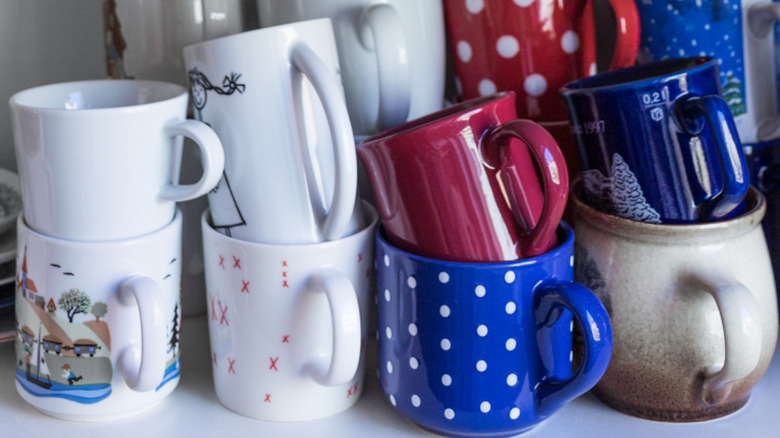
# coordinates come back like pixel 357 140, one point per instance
pixel 287 323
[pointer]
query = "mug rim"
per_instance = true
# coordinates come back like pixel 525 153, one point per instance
pixel 629 77
pixel 260 32
pixel 666 232
pixel 34 98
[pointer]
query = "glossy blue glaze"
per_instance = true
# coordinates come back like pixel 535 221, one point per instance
pixel 657 142
pixel 485 349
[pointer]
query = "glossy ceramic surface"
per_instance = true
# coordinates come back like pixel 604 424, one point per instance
pixel 285 181
pixel 657 142
pixel 737 32
pixel 532 47
pixel 98 323
pixel 74 186
pixel 391 52
pixel 288 323
pixel 460 184
pixel 484 349
pixel 693 310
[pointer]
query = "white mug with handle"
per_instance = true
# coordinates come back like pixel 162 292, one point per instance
pixel 255 90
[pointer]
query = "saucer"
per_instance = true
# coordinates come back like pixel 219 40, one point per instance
pixel 10 199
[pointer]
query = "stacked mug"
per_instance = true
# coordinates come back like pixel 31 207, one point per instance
pixel 669 237
pixel 288 246
pixel 475 299
pixel 98 264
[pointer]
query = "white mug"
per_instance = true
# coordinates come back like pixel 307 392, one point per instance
pixel 392 54
pixel 96 158
pixel 288 323
pixel 255 90
pixel 97 323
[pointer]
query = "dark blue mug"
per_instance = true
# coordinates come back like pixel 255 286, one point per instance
pixel 486 349
pixel 658 143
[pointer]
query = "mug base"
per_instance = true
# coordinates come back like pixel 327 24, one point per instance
pixel 672 415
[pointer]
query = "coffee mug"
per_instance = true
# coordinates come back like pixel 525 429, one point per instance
pixel 96 158
pixel 657 142
pixel 460 184
pixel 737 32
pixel 98 323
pixel 287 323
pixel 392 54
pixel 693 310
pixel 254 89
pixel 485 349
pixel 532 47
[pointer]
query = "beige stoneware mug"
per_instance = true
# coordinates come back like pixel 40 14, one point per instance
pixel 693 310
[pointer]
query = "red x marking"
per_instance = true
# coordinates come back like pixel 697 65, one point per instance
pixel 222 261
pixel 286 339
pixel 231 362
pixel 245 286
pixel 273 363
pixel 236 262
pixel 223 310
pixel 267 398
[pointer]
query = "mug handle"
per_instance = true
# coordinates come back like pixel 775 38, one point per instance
pixel 594 322
pixel 335 223
pixel 762 18
pixel 382 31
pixel 555 176
pixel 144 368
pixel 345 315
pixel 212 158
pixel 741 319
pixel 690 110
pixel 627 26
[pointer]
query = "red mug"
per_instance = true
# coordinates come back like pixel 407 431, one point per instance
pixel 533 48
pixel 462 184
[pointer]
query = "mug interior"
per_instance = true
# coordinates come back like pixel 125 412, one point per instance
pixel 639 73
pixel 98 94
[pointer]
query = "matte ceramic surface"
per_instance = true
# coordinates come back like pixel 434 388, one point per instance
pixel 262 91
pixel 658 143
pixel 460 184
pixel 693 310
pixel 484 349
pixel 532 47
pixel 392 54
pixel 96 158
pixel 287 323
pixel 98 323
pixel 740 35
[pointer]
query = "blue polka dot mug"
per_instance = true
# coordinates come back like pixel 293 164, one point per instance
pixel 485 349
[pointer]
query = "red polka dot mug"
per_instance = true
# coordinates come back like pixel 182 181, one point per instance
pixel 532 47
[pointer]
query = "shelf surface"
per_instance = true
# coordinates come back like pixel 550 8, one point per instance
pixel 193 410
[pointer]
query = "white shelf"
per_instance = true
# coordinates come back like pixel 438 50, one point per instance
pixel 194 411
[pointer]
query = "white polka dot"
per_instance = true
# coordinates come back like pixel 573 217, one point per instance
pixel 411 282
pixel 445 344
pixel 389 367
pixel 486 86
pixel 482 330
pixel 446 380
pixel 479 291
pixel 389 333
pixel 444 311
pixel 387 295
pixel 514 413
pixel 413 363
pixel 413 329
pixel 509 277
pixel 524 3
pixel 481 365
pixel 392 399
pixel 387 260
pixel 570 42
pixel 475 6
pixel 464 51
pixel 415 400
pixel 484 407
pixel 444 277
pixel 535 85
pixel 507 46
pixel 511 379
pixel 510 307
pixel 449 414
pixel 511 344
